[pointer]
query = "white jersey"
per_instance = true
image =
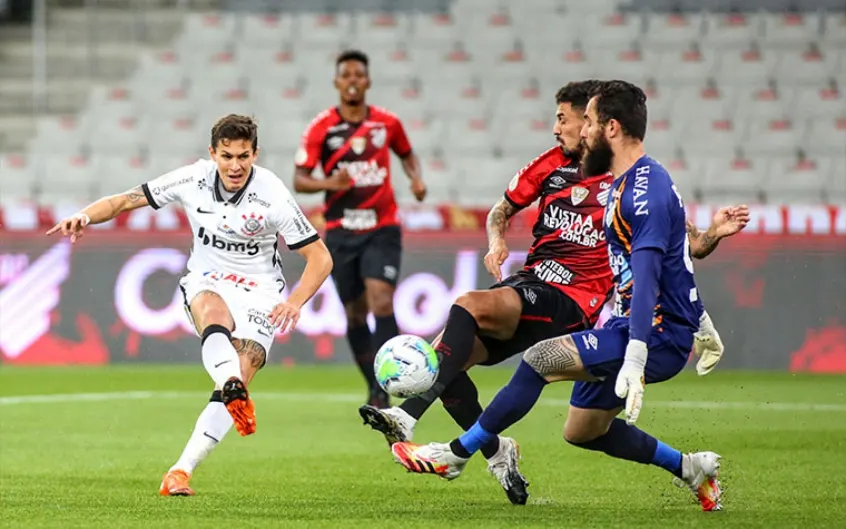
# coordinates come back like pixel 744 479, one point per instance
pixel 235 235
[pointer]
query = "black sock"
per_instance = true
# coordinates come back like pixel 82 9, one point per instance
pixel 386 328
pixel 453 352
pixel 361 344
pixel 461 401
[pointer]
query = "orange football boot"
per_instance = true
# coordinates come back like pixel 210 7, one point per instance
pixel 175 483
pixel 240 406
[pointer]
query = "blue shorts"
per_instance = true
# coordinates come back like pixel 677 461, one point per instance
pixel 602 353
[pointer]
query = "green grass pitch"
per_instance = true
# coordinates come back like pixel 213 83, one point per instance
pixel 97 461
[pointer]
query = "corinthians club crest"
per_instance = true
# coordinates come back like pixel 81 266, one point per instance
pixel 253 224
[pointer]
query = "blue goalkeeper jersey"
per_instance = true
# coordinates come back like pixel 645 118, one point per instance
pixel 646 211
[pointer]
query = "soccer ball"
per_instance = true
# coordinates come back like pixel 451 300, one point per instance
pixel 406 366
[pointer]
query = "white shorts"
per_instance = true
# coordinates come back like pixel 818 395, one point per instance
pixel 249 303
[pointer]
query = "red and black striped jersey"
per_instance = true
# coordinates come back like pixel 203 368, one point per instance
pixel 364 150
pixel 569 251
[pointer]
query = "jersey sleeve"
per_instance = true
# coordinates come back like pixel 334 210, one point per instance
pixel 525 187
pixel 169 187
pixel 399 139
pixel 651 220
pixel 308 153
pixel 291 223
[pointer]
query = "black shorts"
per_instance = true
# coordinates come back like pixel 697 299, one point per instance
pixel 374 254
pixel 547 313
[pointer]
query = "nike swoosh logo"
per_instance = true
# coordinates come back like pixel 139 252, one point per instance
pixel 220 364
pixel 201 210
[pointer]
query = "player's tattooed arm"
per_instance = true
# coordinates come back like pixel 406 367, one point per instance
pixel 556 359
pixel 252 350
pixel 727 221
pixel 498 218
pixel 110 207
pixel 701 243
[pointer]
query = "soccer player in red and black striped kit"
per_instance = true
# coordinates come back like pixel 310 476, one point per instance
pixel 561 289
pixel 352 142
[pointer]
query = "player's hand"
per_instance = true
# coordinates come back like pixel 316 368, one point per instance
pixel 72 226
pixel 707 345
pixel 285 315
pixel 418 189
pixel 730 220
pixel 340 180
pixel 497 254
pixel 630 379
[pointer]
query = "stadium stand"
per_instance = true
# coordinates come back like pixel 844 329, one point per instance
pixel 746 97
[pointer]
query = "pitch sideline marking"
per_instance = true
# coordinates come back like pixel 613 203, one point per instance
pixel 61 398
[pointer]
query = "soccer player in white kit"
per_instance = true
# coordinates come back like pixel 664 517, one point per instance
pixel 233 288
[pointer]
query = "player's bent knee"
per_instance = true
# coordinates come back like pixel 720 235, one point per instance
pixel 576 434
pixel 474 303
pixel 584 425
pixel 382 305
pixel 380 298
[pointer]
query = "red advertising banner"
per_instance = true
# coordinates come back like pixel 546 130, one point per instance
pixel 779 301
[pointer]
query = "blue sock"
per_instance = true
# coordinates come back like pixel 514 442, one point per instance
pixel 667 458
pixel 471 441
pixel 627 442
pixel 511 404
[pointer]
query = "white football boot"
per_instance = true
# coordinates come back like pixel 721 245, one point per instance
pixel 699 474
pixel 503 466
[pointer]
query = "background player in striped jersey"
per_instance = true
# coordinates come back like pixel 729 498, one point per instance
pixel 352 142
pixel 657 307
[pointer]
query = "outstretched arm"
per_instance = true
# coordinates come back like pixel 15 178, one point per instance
pixel 100 211
pixel 727 222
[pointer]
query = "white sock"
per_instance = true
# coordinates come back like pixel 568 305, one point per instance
pixel 210 429
pixel 220 358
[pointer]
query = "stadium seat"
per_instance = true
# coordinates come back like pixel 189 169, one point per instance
pixel 773 136
pixel 835 190
pixel 791 181
pixel 260 31
pixel 731 30
pixel 124 173
pixel 826 135
pixel 672 31
pixel 808 66
pixel 747 66
pixel 729 179
pixel 791 28
pixel 17 177
pixel 686 64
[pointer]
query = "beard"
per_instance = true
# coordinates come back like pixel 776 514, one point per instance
pixel 572 154
pixel 597 159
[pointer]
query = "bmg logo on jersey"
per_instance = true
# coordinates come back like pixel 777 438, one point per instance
pixel 219 243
